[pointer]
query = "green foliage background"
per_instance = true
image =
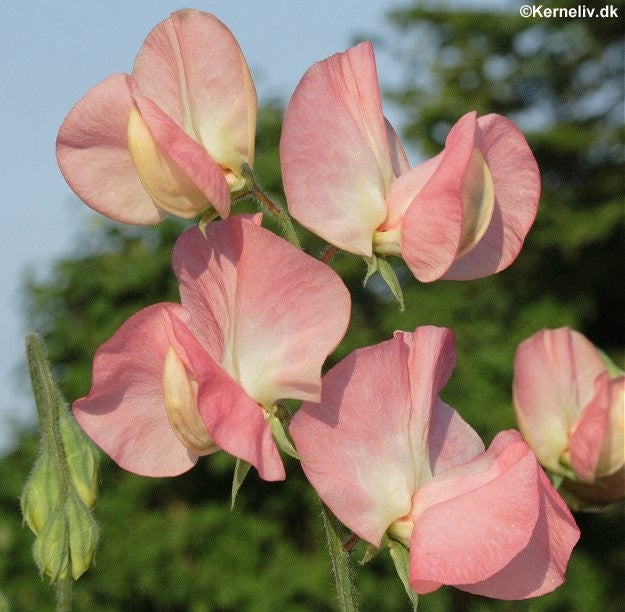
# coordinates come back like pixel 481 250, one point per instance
pixel 173 544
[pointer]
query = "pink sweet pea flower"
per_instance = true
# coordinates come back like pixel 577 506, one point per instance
pixel 570 409
pixel 463 214
pixel 177 381
pixel 388 456
pixel 172 137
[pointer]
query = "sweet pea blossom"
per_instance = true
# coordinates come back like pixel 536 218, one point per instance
pixel 389 457
pixel 177 381
pixel 570 408
pixel 463 214
pixel 173 136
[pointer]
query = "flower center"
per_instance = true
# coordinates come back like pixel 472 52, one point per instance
pixel 180 391
pixel 478 203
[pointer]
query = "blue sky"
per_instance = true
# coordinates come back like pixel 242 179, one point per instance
pixel 52 52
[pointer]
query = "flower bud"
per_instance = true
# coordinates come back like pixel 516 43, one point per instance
pixel 50 551
pixel 82 535
pixel 40 493
pixel 82 461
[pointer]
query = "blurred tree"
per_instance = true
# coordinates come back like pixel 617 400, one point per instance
pixel 172 544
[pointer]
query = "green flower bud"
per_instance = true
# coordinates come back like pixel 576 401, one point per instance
pixel 82 461
pixel 40 495
pixel 83 535
pixel 50 551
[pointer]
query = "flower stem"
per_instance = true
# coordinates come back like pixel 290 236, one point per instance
pixel 328 254
pixel 64 595
pixel 278 213
pixel 341 563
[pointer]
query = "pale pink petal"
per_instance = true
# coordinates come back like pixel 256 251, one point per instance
pixel 399 159
pixel 234 420
pixel 554 379
pixel 473 519
pixel 159 74
pixel 364 447
pixel 597 441
pixel 405 189
pixel 281 311
pixel 432 225
pixel 187 180
pixel 451 440
pixel 590 431
pixel 124 413
pixel 193 68
pixel 612 455
pixel 221 94
pixel 337 163
pixel 540 567
pixel 431 361
pixel 516 179
pixel 92 152
pixel 355 444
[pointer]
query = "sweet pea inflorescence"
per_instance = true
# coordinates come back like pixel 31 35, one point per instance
pixel 258 317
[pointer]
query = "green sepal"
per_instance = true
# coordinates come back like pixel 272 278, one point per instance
pixel 401 558
pixel 612 368
pixel 208 214
pixel 240 472
pixel 370 552
pixel 279 435
pixel 378 264
pixel 556 480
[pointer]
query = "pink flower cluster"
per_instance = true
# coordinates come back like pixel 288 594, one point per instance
pixel 258 317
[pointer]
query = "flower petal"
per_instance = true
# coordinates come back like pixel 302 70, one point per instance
pixel 233 419
pixel 92 152
pixel 362 446
pixel 473 519
pixel 355 445
pixel 432 226
pixel 597 437
pixel 193 68
pixel 451 440
pixel 175 170
pixel 554 380
pixel 516 179
pixel 124 413
pixel 337 162
pixel 540 567
pixel 275 312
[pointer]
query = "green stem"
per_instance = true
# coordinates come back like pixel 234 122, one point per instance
pixel 64 595
pixel 341 563
pixel 329 254
pixel 277 213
